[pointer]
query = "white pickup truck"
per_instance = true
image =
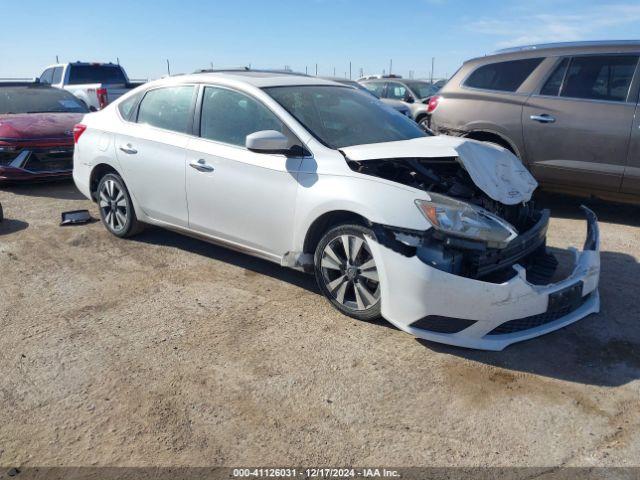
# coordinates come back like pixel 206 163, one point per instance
pixel 96 84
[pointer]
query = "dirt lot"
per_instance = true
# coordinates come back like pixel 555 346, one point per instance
pixel 165 350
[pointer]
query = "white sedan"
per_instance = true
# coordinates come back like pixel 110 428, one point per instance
pixel 435 234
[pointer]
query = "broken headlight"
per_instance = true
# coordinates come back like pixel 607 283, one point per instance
pixel 461 219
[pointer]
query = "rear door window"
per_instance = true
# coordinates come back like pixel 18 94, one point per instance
pixel 396 91
pixel 503 76
pixel 600 77
pixel 167 108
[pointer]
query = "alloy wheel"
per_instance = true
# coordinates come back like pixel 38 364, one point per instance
pixel 113 205
pixel 349 272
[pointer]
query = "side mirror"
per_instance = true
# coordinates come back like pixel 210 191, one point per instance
pixel 408 97
pixel 267 141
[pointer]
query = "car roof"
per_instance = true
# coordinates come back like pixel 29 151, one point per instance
pixel 259 79
pixel 562 48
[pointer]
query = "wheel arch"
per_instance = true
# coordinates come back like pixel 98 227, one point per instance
pixel 491 136
pixel 326 221
pixel 99 171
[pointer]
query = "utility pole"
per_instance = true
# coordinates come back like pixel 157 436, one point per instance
pixel 211 63
pixel 334 71
pixel 316 69
pixel 57 61
pixel 168 68
pixel 390 66
pixel 349 69
pixel 433 62
pixel 361 72
pixel 305 70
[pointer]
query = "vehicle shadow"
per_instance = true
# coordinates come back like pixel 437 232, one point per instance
pixel 9 225
pixel 60 189
pixel 160 236
pixel 566 206
pixel 602 349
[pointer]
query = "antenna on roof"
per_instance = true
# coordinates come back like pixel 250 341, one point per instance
pixel 168 68
pixel 57 61
pixel 118 60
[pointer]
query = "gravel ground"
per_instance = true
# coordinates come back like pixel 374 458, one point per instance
pixel 168 351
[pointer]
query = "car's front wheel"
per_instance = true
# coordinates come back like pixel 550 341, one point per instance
pixel 346 271
pixel 116 209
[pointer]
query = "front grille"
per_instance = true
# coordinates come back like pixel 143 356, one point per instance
pixel 50 160
pixel 520 247
pixel 41 160
pixel 534 321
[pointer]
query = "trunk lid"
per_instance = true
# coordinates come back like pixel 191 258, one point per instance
pixel 38 126
pixel 495 170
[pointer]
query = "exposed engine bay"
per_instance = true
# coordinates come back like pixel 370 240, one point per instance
pixel 465 257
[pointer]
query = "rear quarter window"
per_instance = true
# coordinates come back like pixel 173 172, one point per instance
pixel 502 76
pixel 126 106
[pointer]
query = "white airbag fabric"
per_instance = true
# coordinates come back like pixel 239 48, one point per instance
pixel 495 170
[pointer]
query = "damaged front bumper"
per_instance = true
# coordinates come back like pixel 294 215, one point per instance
pixel 436 305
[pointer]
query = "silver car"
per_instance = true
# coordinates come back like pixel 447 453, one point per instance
pixel 414 94
pixel 395 104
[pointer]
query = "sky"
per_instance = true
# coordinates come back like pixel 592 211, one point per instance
pixel 192 34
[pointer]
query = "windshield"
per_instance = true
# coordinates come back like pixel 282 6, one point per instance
pixel 80 74
pixel 422 89
pixel 38 100
pixel 341 116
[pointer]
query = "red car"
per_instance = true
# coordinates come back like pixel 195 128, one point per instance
pixel 36 132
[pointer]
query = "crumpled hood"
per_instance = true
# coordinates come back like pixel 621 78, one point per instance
pixel 495 170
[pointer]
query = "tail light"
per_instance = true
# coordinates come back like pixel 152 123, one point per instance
pixel 102 97
pixel 77 131
pixel 433 103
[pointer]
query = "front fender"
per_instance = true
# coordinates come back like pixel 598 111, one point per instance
pixel 377 201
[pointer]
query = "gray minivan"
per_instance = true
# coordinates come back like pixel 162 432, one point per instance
pixel 568 110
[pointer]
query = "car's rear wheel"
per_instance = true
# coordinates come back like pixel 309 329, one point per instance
pixel 346 271
pixel 116 209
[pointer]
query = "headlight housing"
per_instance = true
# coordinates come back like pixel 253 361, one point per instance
pixel 461 219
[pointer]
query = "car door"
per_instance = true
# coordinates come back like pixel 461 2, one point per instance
pixel 631 180
pixel 242 197
pixel 152 150
pixel 576 128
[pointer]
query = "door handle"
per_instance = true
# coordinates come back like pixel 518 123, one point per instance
pixel 128 149
pixel 543 118
pixel 201 166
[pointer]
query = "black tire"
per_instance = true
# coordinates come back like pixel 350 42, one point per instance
pixel 113 196
pixel 424 123
pixel 349 288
